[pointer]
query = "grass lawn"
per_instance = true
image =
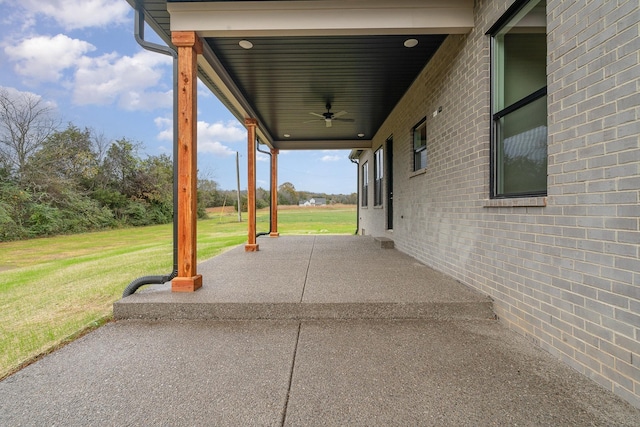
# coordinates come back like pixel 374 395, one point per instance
pixel 54 289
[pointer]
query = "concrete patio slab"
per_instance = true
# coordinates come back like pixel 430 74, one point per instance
pixel 419 372
pixel 384 341
pixel 168 374
pixel 438 373
pixel 311 277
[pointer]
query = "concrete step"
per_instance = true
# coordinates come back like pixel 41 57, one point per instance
pixel 384 242
pixel 130 309
pixel 312 278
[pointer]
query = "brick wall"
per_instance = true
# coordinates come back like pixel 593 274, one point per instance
pixel 563 270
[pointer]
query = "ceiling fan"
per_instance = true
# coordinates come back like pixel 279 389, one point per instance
pixel 329 117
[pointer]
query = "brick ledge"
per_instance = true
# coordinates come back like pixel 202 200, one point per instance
pixel 523 202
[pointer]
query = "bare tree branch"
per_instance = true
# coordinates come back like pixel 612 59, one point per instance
pixel 26 121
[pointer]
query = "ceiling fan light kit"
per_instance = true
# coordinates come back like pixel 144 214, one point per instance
pixel 329 117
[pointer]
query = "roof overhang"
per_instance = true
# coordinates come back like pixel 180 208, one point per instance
pixel 321 17
pixel 309 53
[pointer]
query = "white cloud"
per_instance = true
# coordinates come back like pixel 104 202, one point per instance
pixel 166 128
pixel 331 158
pixel 77 14
pixel 44 58
pixel 19 96
pixel 212 137
pixel 214 147
pixel 129 81
pixel 123 79
pixel 262 157
pixel 230 131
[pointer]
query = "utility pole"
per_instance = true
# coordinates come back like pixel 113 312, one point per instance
pixel 238 191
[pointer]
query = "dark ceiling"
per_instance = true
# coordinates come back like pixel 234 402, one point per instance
pixel 286 78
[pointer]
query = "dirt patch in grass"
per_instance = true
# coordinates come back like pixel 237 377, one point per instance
pixel 221 210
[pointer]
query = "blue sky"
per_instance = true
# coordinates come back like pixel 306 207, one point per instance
pixel 81 57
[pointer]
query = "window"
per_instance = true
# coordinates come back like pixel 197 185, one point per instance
pixel 377 172
pixel 365 184
pixel 519 101
pixel 420 145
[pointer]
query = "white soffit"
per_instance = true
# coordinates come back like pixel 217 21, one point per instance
pixel 322 17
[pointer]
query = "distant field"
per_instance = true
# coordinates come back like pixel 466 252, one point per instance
pixel 52 289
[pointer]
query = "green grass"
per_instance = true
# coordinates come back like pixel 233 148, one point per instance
pixel 53 289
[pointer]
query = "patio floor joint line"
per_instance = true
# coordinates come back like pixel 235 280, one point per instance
pixel 293 365
pixel 306 273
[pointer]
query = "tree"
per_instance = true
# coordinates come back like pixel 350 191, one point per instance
pixel 26 122
pixel 208 193
pixel 14 211
pixel 153 183
pixel 120 165
pixel 287 194
pixel 66 161
pixel 263 198
pixel 100 145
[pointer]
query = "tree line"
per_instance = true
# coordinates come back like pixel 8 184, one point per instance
pixel 62 180
pixel 287 195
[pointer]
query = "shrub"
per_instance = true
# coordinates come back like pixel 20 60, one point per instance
pixel 9 229
pixel 135 213
pixel 81 213
pixel 45 220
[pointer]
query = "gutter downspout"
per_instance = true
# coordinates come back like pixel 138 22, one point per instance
pixel 263 233
pixel 355 162
pixel 139 36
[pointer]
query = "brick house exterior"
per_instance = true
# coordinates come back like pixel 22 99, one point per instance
pixel 511 161
pixel 563 268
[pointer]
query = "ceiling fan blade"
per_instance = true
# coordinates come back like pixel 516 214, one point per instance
pixel 341 113
pixel 317 115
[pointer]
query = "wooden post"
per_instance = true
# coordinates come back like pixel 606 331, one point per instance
pixel 238 187
pixel 274 193
pixel 189 46
pixel 251 245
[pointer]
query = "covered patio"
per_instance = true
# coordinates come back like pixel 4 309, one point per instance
pixel 299 75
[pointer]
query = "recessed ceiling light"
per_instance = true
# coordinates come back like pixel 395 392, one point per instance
pixel 286 135
pixel 410 43
pixel 361 135
pixel 245 44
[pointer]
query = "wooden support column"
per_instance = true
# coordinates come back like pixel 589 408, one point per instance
pixel 251 245
pixel 189 46
pixel 274 193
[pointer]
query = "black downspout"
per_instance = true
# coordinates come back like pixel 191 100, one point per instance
pixel 270 184
pixel 355 162
pixel 139 36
